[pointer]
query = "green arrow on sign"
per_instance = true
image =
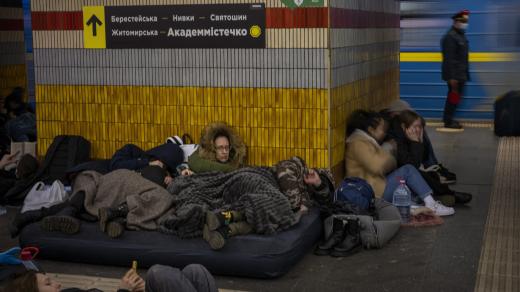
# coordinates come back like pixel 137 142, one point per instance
pixel 303 3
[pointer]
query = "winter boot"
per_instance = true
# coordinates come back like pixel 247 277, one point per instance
pixel 106 214
pixel 23 219
pixel 214 220
pixel 64 221
pixel 337 235
pixel 217 238
pixel 352 242
pixel 116 227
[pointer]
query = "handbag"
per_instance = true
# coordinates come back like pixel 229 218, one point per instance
pixel 188 149
pixel 44 196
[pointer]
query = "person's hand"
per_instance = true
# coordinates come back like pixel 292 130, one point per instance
pixel 156 163
pixel 412 134
pixel 186 172
pixel 8 159
pixel 454 85
pixel 420 134
pixel 312 178
pixel 303 209
pixel 131 281
pixel 168 180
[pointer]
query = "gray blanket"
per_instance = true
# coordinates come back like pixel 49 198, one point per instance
pixel 146 200
pixel 253 191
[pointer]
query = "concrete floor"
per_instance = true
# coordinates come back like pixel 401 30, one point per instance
pixel 442 258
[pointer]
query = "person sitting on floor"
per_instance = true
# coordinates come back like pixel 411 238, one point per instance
pixel 429 160
pixel 221 149
pixel 21 126
pixel 366 159
pixel 411 149
pixel 159 278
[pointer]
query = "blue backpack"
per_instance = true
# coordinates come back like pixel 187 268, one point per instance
pixel 356 191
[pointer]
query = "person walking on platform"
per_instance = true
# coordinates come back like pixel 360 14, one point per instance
pixel 455 66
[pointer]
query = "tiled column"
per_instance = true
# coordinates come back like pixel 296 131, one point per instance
pixel 284 100
pixel 12 51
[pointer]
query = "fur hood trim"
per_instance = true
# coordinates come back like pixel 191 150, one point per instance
pixel 207 149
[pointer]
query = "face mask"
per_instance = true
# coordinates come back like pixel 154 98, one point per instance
pixel 462 26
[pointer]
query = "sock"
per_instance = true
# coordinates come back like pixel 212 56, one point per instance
pixel 429 201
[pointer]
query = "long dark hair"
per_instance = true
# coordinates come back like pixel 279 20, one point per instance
pixel 24 282
pixel 408 117
pixel 362 120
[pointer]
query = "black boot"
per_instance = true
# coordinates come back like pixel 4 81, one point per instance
pixel 462 198
pixel 337 235
pixel 449 113
pixel 23 219
pixel 64 221
pixel 352 242
pixel 116 227
pixel 107 214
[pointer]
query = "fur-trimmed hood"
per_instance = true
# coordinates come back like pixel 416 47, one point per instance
pixel 207 149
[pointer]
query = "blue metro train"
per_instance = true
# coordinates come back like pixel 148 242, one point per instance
pixel 494 39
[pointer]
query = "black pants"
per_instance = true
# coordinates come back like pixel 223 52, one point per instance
pixel 451 105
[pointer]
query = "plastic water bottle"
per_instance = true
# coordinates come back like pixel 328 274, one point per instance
pixel 27 256
pixel 403 200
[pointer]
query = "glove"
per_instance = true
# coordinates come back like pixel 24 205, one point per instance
pixel 11 256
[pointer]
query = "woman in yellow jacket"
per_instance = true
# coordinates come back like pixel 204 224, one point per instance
pixel 367 159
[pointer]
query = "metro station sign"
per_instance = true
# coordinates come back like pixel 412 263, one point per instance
pixel 174 26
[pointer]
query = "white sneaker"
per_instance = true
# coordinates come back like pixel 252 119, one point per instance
pixel 441 210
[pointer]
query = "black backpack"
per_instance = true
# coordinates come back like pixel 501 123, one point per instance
pixel 507 114
pixel 64 153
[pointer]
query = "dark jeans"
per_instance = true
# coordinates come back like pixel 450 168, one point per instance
pixel 193 278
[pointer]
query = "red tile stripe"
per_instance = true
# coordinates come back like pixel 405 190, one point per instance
pixel 275 18
pixel 11 24
pixel 53 20
pixel 296 18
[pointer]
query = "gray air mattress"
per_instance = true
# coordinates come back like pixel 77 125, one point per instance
pixel 256 256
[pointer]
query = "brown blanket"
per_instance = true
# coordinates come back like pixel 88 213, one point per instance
pixel 146 200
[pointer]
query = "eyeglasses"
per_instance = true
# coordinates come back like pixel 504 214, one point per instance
pixel 222 148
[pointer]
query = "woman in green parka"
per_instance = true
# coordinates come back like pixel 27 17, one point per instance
pixel 221 149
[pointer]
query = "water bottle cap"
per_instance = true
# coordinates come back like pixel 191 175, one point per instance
pixel 26 255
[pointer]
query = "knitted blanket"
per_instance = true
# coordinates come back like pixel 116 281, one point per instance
pixel 253 191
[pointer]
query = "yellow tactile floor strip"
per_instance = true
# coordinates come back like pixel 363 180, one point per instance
pixel 88 282
pixel 486 125
pixel 499 266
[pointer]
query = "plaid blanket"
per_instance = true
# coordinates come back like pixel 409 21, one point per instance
pixel 253 191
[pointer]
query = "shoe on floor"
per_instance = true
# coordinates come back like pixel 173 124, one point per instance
pixel 462 198
pixel 447 200
pixel 446 176
pixel 453 125
pixel 65 224
pixel 440 210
